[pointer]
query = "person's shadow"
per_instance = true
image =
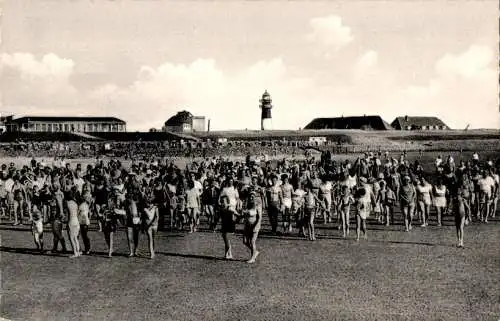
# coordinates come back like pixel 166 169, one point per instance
pixel 33 251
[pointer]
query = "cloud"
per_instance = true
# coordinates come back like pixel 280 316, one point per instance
pixel 44 82
pixel 231 101
pixel 470 63
pixel 49 66
pixel 329 31
pixel 463 90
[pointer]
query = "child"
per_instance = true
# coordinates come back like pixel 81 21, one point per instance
pixel 37 227
pixel 297 205
pixel 193 205
pixel 150 223
pixel 181 211
pixel 365 200
pixel 346 200
pixel 311 200
pixel 388 204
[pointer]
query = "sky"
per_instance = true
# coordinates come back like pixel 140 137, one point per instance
pixel 144 60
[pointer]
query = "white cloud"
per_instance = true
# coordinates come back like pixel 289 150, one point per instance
pixel 329 31
pixel 463 91
pixel 467 64
pixel 27 81
pixel 49 66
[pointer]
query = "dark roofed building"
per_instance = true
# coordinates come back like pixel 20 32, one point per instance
pixel 418 123
pixel 184 121
pixel 65 124
pixel 355 122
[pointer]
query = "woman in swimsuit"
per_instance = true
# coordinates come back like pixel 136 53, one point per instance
pixel 346 200
pixel 439 197
pixel 73 223
pixel 407 197
pixel 424 191
pixel 253 216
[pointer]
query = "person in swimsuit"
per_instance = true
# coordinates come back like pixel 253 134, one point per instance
pixel 287 190
pixel 101 199
pixel 252 219
pixel 439 197
pixel 150 219
pixel 315 183
pixel 133 222
pixel 486 190
pixel 275 203
pixel 310 204
pixel 496 192
pixel 37 227
pixel 297 209
pixel 57 217
pixel 424 191
pixel 228 200
pixel 346 200
pixel 112 212
pixel 73 223
pixel 19 201
pixel 460 200
pixel 325 196
pixel 193 205
pixel 407 198
pixel 84 219
pixel 365 200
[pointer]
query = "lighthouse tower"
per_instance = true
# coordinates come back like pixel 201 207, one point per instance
pixel 266 106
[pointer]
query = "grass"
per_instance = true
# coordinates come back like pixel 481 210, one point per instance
pixel 392 276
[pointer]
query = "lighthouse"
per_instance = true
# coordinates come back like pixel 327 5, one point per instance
pixel 266 106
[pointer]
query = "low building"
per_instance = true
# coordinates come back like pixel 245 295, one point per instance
pixel 418 123
pixel 185 122
pixel 64 124
pixel 353 122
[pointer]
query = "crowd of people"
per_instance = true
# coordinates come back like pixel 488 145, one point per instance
pixel 157 194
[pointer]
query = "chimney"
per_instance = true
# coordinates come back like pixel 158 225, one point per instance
pixel 406 118
pixel 208 126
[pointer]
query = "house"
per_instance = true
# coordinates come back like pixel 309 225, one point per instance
pixel 354 122
pixel 64 124
pixel 184 121
pixel 418 123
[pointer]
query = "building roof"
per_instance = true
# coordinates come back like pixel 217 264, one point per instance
pixel 67 119
pixel 354 122
pixel 182 117
pixel 417 121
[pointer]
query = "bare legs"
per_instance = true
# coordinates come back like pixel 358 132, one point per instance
pixel 250 241
pixel 73 232
pixel 58 236
pixel 459 223
pixel 38 238
pixel 360 225
pixel 389 213
pixel 227 246
pixel 151 241
pixel 439 210
pixel 345 221
pixel 310 227
pixel 408 216
pixel 108 236
pixel 133 239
